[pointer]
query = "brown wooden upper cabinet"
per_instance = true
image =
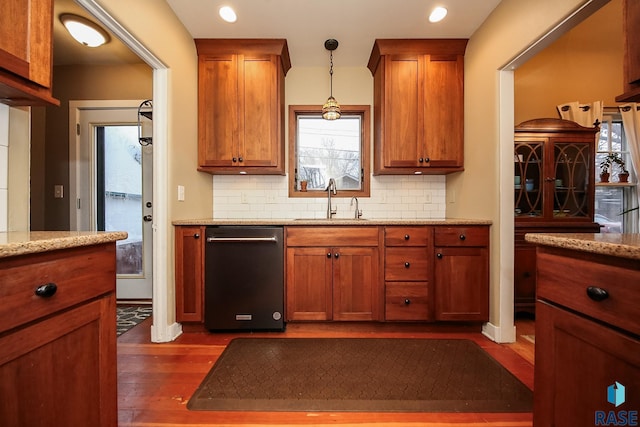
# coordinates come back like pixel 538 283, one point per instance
pixel 418 105
pixel 631 65
pixel 241 105
pixel 26 52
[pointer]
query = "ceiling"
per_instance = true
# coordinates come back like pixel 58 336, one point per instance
pixel 306 24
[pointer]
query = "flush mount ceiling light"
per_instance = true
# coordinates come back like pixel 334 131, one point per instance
pixel 437 14
pixel 228 14
pixel 331 108
pixel 84 31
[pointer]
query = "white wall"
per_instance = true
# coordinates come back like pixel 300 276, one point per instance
pixel 4 165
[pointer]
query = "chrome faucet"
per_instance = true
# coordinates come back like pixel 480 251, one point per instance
pixel 331 188
pixel 358 212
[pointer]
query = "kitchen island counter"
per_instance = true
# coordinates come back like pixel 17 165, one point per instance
pixel 612 244
pixel 28 242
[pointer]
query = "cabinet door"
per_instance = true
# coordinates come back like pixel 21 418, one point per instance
pixel 529 158
pixel 309 282
pixel 403 115
pixel 189 274
pixel 443 111
pixel 524 277
pixel 62 371
pixel 577 360
pixel 356 288
pixel 217 110
pixel 258 138
pixel 26 39
pixel 571 195
pixel 461 277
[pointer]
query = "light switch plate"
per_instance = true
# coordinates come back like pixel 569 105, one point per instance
pixel 58 191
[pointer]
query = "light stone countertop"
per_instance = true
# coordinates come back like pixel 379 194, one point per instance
pixel 613 244
pixel 334 221
pixel 21 243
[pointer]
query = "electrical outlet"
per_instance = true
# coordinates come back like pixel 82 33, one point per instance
pixel 243 198
pixel 181 193
pixel 427 197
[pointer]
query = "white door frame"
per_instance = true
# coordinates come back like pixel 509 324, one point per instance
pixel 161 330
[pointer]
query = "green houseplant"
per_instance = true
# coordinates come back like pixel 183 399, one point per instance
pixel 606 165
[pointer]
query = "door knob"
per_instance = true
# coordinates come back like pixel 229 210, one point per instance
pixel 147 218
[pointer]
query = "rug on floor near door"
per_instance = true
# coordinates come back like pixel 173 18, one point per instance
pixel 129 316
pixel 359 374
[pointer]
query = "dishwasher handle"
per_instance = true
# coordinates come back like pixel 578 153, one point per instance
pixel 241 239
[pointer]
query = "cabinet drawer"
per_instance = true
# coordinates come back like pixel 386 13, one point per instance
pixel 79 274
pixel 461 236
pixel 406 301
pixel 407 236
pixel 332 236
pixel 410 264
pixel 564 281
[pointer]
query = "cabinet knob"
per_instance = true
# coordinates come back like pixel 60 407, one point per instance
pixel 407 265
pixel 427 160
pixel 407 237
pixel 240 159
pixel 421 160
pixel 328 254
pixel 463 237
pixel 439 255
pixel 234 160
pixel 597 294
pixel 196 236
pixel 47 290
pixel 337 255
pixel 407 301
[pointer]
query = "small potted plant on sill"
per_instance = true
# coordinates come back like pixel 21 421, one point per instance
pixel 607 164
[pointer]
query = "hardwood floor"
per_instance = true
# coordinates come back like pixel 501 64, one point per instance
pixel 155 381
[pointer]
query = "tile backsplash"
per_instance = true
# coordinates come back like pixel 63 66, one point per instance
pixel 266 197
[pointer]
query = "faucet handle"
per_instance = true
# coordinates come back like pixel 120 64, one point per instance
pixel 359 213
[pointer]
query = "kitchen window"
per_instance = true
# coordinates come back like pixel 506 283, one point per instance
pixel 614 198
pixel 322 149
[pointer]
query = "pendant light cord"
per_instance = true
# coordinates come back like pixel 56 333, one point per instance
pixel 331 73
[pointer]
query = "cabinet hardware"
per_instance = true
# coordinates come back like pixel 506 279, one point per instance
pixel 240 159
pixel 421 160
pixel 329 255
pixel 427 160
pixel 337 255
pixel 407 301
pixel 407 265
pixel 234 160
pixel 406 237
pixel 439 255
pixel 597 294
pixel 196 236
pixel 47 290
pixel 463 237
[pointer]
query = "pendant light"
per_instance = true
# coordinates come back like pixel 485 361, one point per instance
pixel 331 108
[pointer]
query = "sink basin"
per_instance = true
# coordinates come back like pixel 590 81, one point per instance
pixel 332 219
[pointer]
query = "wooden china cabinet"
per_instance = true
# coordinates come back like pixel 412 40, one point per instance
pixel 554 190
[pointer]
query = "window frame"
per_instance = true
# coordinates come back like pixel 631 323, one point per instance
pixel 364 111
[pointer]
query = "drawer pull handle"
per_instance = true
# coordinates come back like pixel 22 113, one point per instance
pixel 47 290
pixel 406 237
pixel 597 294
pixel 407 265
pixel 407 301
pixel 462 237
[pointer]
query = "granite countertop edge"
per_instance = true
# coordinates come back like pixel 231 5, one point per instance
pixel 22 243
pixel 332 222
pixel 612 244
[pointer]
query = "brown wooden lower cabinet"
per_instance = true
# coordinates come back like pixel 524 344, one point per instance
pixel 587 347
pixel 189 271
pixel 58 352
pixel 363 273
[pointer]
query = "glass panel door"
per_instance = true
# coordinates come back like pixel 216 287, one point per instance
pixel 528 181
pixel 572 164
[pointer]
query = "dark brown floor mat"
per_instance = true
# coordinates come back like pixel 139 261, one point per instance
pixel 359 374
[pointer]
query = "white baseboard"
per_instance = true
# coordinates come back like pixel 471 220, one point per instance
pixel 166 334
pixel 499 334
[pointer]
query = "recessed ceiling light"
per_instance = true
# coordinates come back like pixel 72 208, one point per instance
pixel 227 14
pixel 84 31
pixel 437 14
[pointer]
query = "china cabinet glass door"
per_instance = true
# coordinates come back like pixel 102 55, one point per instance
pixel 570 180
pixel 529 161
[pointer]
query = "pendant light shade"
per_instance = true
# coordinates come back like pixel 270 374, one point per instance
pixel 331 108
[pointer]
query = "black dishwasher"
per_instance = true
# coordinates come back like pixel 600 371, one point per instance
pixel 244 278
